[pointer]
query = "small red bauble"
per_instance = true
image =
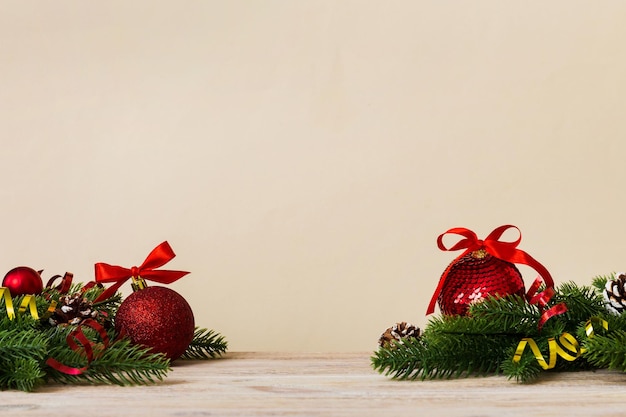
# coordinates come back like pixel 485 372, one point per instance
pixel 158 318
pixel 23 280
pixel 476 276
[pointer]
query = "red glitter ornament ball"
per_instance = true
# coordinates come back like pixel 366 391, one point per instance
pixel 158 318
pixel 23 280
pixel 476 276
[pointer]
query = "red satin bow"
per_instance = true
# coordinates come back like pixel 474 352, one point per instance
pixel 507 251
pixel 159 256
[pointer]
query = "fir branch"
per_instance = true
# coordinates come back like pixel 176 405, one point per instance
pixel 18 343
pixel 582 303
pixel 599 282
pixel 21 373
pixel 506 315
pixel 444 355
pixel 526 370
pixel 206 344
pixel 401 360
pixel 19 321
pixel 607 351
pixel 21 353
pixel 122 363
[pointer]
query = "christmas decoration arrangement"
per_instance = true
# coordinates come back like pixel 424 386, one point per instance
pixel 75 333
pixel 490 325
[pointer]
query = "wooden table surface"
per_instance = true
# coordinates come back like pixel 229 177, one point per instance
pixel 281 384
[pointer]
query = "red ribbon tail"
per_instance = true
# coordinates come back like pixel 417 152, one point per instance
pixel 551 312
pixel 163 276
pixel 64 286
pixel 159 256
pixel 433 301
pixel 86 350
pixel 69 370
pixel 541 299
pixel 109 292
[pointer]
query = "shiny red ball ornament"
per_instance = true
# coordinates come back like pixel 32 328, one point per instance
pixel 23 280
pixel 158 318
pixel 476 276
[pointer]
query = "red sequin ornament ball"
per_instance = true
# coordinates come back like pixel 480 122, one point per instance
pixel 474 277
pixel 159 318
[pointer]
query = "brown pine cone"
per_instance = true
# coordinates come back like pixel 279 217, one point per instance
pixel 72 309
pixel 398 332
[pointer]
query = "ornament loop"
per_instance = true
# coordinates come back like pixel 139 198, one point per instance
pixel 159 256
pixel 138 283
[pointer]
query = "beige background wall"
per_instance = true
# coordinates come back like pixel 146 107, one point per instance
pixel 301 157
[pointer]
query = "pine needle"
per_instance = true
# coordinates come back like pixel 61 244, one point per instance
pixel 206 344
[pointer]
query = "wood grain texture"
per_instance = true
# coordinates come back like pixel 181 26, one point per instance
pixel 285 384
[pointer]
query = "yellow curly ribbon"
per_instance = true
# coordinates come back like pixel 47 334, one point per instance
pixel 589 325
pixel 8 302
pixel 591 331
pixel 51 309
pixel 567 347
pixel 27 302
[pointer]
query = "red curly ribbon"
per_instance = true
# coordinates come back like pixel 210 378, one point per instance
pixel 159 256
pixel 78 342
pixel 507 251
pixel 64 286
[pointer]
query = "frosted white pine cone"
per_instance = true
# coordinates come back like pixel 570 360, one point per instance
pixel 615 294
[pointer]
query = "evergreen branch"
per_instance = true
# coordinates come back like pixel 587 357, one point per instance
pixel 582 303
pixel 485 340
pixel 607 351
pixel 21 352
pixel 206 344
pixel 121 364
pixel 444 355
pixel 599 282
pixel 19 322
pixel 401 360
pixel 526 370
pixel 21 373
pixel 22 344
pixel 498 316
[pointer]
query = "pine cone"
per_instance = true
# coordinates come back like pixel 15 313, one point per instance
pixel 72 309
pixel 398 332
pixel 615 294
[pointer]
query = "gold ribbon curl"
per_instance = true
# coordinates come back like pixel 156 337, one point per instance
pixel 28 302
pixel 566 347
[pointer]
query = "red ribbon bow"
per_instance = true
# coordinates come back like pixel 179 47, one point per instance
pixel 507 251
pixel 159 256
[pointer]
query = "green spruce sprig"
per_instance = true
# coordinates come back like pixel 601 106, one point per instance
pixel 206 344
pixel 26 344
pixel 22 351
pixel 484 342
pixel 121 363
